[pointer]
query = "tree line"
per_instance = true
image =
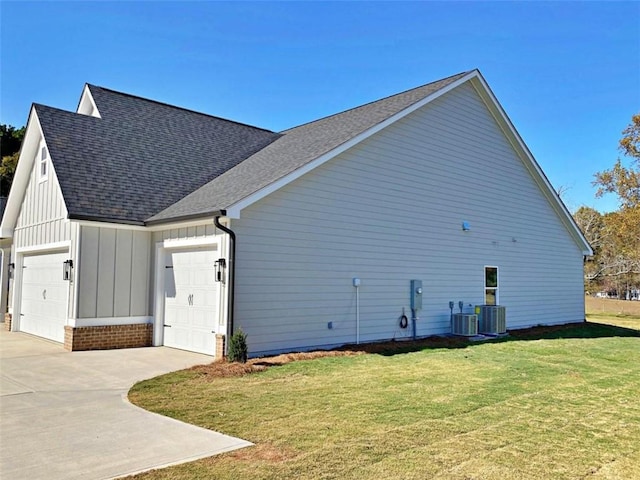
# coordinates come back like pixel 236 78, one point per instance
pixel 615 236
pixel 10 142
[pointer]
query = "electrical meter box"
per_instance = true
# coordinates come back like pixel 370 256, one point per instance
pixel 416 295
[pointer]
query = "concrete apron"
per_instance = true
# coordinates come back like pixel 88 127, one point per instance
pixel 64 415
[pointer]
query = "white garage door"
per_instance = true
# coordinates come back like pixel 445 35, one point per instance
pixel 43 304
pixel 191 300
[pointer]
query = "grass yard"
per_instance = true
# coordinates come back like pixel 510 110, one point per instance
pixel 554 403
pixel 610 306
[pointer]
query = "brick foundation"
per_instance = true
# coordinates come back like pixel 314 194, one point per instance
pixel 7 321
pixel 220 344
pixel 106 337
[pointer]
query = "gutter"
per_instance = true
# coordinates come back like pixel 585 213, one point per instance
pixel 232 276
pixel 95 218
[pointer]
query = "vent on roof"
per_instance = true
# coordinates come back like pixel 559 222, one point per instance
pixel 464 324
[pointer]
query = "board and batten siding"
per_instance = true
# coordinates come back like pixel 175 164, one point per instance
pixel 43 214
pixel 42 222
pixel 113 272
pixel 390 210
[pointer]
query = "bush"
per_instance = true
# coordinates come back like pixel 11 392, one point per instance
pixel 238 347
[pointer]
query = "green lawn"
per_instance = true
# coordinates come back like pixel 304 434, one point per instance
pixel 544 405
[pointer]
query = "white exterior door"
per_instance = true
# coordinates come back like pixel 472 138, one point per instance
pixel 43 303
pixel 191 300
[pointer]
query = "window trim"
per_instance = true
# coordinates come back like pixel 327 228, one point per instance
pixel 43 162
pixel 496 289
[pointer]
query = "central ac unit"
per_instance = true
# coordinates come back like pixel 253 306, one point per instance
pixel 492 319
pixel 464 324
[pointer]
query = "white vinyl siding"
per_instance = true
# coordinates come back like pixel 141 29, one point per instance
pixel 390 210
pixel 113 273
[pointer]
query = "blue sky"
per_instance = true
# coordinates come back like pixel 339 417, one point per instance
pixel 567 73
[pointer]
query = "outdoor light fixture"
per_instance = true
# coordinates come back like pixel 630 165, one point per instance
pixel 220 266
pixel 67 265
pixel 12 267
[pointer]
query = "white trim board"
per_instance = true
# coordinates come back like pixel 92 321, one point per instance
pixel 45 247
pixel 107 321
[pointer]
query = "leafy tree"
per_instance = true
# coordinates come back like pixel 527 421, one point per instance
pixel 10 142
pixel 592 224
pixel 616 235
pixel 10 139
pixel 621 180
pixel 630 143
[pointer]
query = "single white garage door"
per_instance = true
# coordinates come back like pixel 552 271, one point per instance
pixel 43 304
pixel 191 300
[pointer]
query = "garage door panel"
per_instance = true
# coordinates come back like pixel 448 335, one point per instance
pixel 191 300
pixel 43 301
pixel 204 277
pixel 201 318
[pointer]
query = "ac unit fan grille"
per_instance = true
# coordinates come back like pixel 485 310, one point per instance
pixel 464 324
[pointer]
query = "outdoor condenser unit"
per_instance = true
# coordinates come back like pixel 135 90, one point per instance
pixel 492 319
pixel 464 324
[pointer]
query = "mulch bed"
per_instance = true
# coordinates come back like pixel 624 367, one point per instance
pixel 222 368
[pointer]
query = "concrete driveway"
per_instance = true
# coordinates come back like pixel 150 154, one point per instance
pixel 65 415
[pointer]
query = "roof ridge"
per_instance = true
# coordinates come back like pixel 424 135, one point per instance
pixel 461 74
pixel 176 107
pixel 62 110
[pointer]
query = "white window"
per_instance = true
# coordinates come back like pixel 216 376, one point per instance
pixel 43 163
pixel 491 285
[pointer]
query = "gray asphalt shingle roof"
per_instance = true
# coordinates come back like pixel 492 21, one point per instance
pixel 145 161
pixel 294 149
pixel 141 156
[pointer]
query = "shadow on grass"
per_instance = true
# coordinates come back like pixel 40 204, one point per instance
pixel 572 330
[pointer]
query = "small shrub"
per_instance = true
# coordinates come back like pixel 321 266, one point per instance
pixel 238 347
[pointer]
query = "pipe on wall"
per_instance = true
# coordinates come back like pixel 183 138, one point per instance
pixel 357 315
pixel 356 284
pixel 232 277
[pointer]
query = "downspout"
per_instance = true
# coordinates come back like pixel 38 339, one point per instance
pixel 232 276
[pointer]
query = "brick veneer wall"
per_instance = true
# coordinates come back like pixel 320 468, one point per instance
pixel 7 321
pixel 105 337
pixel 220 343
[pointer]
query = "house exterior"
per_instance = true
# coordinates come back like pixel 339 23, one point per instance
pixel 134 223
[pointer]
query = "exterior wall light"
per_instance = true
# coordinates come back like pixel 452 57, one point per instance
pixel 67 265
pixel 220 269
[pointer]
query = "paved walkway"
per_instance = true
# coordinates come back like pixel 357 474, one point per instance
pixel 65 415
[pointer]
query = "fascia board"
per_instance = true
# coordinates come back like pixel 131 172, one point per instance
pixel 530 162
pixel 233 211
